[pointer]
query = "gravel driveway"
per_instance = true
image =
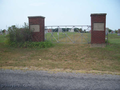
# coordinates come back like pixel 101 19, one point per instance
pixel 43 80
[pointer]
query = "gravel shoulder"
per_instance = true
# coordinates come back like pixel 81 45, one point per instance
pixel 44 80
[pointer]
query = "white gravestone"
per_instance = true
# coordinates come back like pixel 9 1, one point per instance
pixel 72 30
pixel 59 29
pixel 107 31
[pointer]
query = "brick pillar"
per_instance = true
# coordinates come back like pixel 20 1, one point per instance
pixel 98 26
pixel 119 32
pixel 36 23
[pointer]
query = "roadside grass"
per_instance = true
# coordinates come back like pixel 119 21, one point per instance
pixel 64 56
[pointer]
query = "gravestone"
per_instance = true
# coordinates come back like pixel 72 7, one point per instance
pixel 59 29
pixel 46 30
pixel 107 31
pixel 72 30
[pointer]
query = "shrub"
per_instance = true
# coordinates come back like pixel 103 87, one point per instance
pixel 19 34
pixel 22 37
pixel 45 44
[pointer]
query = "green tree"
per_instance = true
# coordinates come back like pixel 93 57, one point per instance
pixel 84 31
pixel 3 31
pixel 116 31
pixel 19 34
pixel 110 30
pixel 80 30
pixel 76 29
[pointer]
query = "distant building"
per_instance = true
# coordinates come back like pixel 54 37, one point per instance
pixel 46 31
pixel 49 30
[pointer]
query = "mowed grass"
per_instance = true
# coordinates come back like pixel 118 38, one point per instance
pixel 114 38
pixel 64 56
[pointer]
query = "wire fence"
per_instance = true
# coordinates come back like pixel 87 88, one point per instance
pixel 68 33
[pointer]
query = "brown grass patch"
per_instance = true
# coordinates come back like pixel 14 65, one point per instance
pixel 62 56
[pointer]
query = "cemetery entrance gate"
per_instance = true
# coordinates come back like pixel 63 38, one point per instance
pixel 68 34
pixel 94 34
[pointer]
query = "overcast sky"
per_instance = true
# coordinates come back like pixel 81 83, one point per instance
pixel 59 12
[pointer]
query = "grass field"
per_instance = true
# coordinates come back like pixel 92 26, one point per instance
pixel 114 38
pixel 64 56
pixel 2 38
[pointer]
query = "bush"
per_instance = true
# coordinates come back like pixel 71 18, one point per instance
pixel 19 34
pixel 45 44
pixel 22 37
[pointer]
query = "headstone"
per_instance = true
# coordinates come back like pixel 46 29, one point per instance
pixel 59 29
pixel 107 31
pixel 46 30
pixel 0 32
pixel 7 32
pixel 72 30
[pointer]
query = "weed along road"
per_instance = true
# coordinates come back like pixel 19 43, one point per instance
pixel 44 80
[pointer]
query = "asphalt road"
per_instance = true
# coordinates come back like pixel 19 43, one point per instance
pixel 43 80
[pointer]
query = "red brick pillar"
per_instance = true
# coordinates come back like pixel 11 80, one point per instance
pixel 98 26
pixel 119 32
pixel 36 23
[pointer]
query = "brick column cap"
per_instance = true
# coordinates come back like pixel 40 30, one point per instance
pixel 36 17
pixel 98 14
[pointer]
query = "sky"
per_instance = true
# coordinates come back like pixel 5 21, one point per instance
pixel 59 12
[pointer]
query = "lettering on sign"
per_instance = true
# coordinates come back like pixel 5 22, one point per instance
pixel 35 28
pixel 98 27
